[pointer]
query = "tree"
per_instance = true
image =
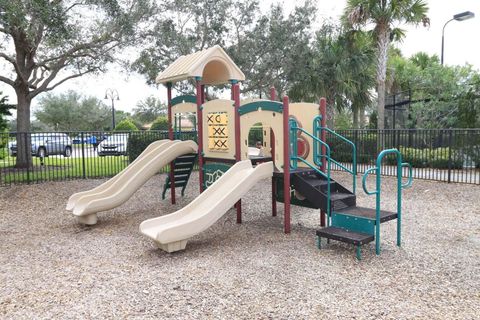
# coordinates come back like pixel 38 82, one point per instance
pixel 384 15
pixel 147 110
pixel 71 111
pixel 126 125
pixel 4 112
pixel 161 123
pixel 45 43
pixel 269 49
pixel 340 70
pixel 441 96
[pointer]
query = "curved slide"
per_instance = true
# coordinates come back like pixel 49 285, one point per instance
pixel 172 231
pixel 120 188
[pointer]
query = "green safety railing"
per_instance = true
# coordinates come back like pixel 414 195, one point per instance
pixel 294 158
pixel 317 152
pixel 377 192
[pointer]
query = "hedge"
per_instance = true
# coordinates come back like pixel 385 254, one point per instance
pixel 428 158
pixel 139 141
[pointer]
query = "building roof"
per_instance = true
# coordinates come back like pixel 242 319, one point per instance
pixel 213 65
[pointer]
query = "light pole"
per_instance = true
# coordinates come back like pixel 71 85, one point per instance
pixel 112 94
pixel 458 17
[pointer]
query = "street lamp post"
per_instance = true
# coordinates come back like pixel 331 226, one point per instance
pixel 458 17
pixel 112 94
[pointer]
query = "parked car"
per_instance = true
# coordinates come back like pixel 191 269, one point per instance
pixel 114 145
pixel 45 144
pixel 87 139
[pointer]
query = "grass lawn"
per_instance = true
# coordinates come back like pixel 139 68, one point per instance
pixel 61 168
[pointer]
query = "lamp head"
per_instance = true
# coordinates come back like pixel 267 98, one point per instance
pixel 464 16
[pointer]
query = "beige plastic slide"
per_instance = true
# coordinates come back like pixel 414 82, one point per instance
pixel 172 231
pixel 141 158
pixel 111 194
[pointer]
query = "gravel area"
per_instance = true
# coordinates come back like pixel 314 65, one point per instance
pixel 53 268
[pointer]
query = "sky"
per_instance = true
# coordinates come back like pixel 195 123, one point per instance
pixel 460 48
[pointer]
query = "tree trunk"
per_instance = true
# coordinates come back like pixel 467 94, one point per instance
pixel 355 117
pixel 24 152
pixel 361 118
pixel 330 113
pixel 383 41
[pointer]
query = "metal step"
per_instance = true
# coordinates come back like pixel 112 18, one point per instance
pixel 183 166
pixel 368 213
pixel 344 235
pixel 314 186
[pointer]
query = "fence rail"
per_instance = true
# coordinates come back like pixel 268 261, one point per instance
pixel 451 155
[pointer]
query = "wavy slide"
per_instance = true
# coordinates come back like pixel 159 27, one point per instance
pixel 116 191
pixel 172 231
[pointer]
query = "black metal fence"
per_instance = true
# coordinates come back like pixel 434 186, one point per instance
pixel 451 155
pixel 73 155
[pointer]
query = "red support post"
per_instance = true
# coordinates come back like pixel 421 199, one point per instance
pixel 286 166
pixel 272 146
pixel 323 137
pixel 274 182
pixel 236 98
pixel 170 136
pixel 200 131
pixel 273 95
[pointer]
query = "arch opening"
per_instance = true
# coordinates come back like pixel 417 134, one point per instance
pixel 215 72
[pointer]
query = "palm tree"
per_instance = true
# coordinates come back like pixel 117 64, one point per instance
pixel 359 59
pixel 384 15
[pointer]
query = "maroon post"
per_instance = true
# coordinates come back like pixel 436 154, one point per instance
pixel 272 147
pixel 170 136
pixel 286 166
pixel 323 137
pixel 273 95
pixel 200 131
pixel 236 97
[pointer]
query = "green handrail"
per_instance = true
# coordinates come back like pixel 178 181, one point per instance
pixel 317 130
pixel 294 158
pixel 377 192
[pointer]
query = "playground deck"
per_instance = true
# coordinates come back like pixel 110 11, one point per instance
pixel 51 267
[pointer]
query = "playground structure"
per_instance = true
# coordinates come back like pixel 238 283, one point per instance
pixel 293 152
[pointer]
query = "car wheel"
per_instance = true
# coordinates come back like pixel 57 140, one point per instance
pixel 68 152
pixel 41 153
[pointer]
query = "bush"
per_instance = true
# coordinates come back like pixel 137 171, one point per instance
pixel 139 141
pixel 428 158
pixel 161 123
pixel 125 125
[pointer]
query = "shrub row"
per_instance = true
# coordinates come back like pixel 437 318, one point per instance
pixel 139 141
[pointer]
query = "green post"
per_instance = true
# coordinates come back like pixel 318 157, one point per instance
pixel 319 242
pixel 359 252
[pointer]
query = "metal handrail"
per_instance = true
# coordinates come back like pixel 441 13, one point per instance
pixel 377 192
pixel 409 182
pixel 364 181
pixel 294 159
pixel 317 129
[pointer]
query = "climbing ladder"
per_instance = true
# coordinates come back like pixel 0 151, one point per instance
pixel 346 221
pixel 183 167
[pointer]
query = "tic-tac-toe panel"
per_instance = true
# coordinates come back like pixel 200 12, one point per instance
pixel 219 129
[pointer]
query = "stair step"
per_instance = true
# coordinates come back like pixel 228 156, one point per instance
pixel 369 213
pixel 344 235
pixel 341 201
pixel 180 176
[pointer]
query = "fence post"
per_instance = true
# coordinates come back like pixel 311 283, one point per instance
pixel 28 148
pixel 450 155
pixel 84 176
